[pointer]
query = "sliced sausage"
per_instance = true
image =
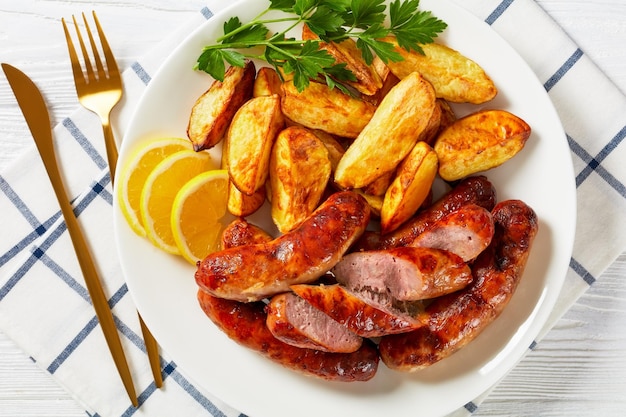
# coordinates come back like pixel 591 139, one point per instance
pixel 405 273
pixel 254 272
pixel 465 232
pixel 456 319
pixel 296 322
pixel 476 190
pixel 245 324
pixel 371 318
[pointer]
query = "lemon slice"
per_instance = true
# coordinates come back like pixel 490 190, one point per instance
pixel 136 170
pixel 159 191
pixel 199 215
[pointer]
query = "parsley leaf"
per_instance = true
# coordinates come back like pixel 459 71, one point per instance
pixel 364 13
pixel 332 21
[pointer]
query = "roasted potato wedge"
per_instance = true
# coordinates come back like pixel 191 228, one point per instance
pixel 250 139
pixel 319 107
pixel 267 83
pixel 213 111
pixel 390 135
pixel 346 52
pixel 447 114
pixel 380 184
pixel 299 172
pixel 242 205
pixel 410 187
pixel 432 129
pixel 389 80
pixel 455 77
pixel 478 142
pixel 374 201
pixel 334 148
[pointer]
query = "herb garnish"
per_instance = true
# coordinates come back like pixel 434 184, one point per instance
pixel 332 21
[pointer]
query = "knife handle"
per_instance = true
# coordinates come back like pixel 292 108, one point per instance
pixel 88 268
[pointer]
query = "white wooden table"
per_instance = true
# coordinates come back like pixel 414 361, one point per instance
pixel 578 369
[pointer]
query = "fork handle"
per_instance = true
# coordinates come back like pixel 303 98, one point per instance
pixel 111 146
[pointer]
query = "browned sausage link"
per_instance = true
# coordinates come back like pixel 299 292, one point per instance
pixel 367 319
pixel 476 190
pixel 239 232
pixel 296 322
pixel 245 324
pixel 253 272
pixel 404 274
pixel 456 319
pixel 465 232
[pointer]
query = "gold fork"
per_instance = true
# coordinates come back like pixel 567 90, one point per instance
pixel 99 91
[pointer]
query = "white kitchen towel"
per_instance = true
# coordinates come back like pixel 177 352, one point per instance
pixel 44 306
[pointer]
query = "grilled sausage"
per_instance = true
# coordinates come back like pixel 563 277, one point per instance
pixel 254 272
pixel 466 232
pixel 476 190
pixel 456 319
pixel 245 324
pixel 371 318
pixel 405 274
pixel 296 322
pixel 239 232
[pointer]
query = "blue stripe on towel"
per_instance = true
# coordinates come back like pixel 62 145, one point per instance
pixel 567 65
pixel 471 407
pixel 594 163
pixel 207 13
pixel 581 271
pixel 84 143
pixel 193 392
pixel 141 73
pixel 498 11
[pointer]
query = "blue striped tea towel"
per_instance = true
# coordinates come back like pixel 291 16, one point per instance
pixel 45 308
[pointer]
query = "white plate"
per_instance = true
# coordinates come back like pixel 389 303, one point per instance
pixel 542 175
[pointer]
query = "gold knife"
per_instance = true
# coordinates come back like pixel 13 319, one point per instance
pixel 33 107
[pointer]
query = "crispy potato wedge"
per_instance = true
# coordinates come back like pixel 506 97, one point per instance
pixel 299 172
pixel 379 186
pixel 432 129
pixel 319 107
pixel 447 114
pixel 267 83
pixel 455 77
pixel 478 142
pixel 410 187
pixel 346 52
pixel 389 80
pixel 334 148
pixel 390 135
pixel 250 139
pixel 213 111
pixel 242 205
pixel 374 201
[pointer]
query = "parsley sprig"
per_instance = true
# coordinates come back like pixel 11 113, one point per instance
pixel 332 21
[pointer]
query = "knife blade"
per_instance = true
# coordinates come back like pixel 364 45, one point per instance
pixel 33 106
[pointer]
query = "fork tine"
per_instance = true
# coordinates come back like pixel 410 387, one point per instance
pixel 94 50
pixel 108 55
pixel 79 76
pixel 88 67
